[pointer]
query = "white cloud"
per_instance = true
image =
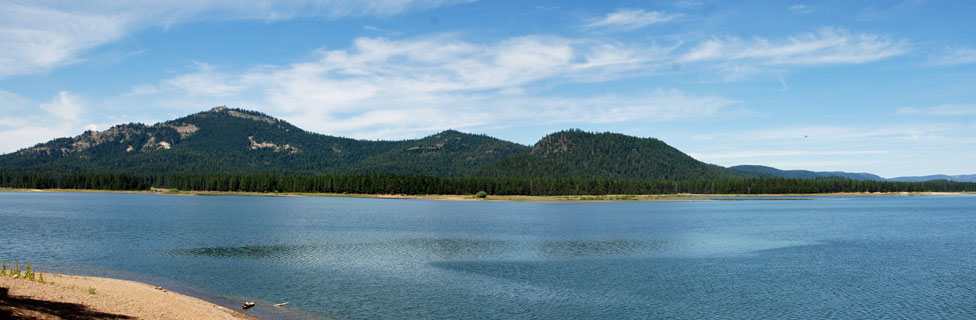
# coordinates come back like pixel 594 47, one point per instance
pixel 630 19
pixel 64 106
pixel 953 56
pixel 37 37
pixel 941 110
pixel 12 139
pixel 13 103
pixel 381 30
pixel 402 88
pixel 57 118
pixel 382 88
pixel 205 82
pixel 801 9
pixel 658 106
pixel 826 46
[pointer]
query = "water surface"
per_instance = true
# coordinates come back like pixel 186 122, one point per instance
pixel 356 258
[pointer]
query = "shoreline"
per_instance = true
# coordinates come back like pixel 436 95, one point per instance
pixel 72 296
pixel 514 198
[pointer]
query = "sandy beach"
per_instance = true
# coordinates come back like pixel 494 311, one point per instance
pixel 77 297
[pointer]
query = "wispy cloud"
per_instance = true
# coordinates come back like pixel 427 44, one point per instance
pixel 873 13
pixel 940 110
pixel 381 30
pixel 64 106
pixel 746 155
pixel 401 88
pixel 62 116
pixel 852 148
pixel 952 56
pixel 37 37
pixel 826 46
pixel 383 88
pixel 630 19
pixel 828 134
pixel 207 81
pixel 801 9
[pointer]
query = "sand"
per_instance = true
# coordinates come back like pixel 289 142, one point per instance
pixel 69 297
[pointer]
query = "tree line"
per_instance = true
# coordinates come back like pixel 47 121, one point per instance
pixel 420 184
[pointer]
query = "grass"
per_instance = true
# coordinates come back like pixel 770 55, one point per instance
pixel 15 271
pixel 173 191
pixel 91 290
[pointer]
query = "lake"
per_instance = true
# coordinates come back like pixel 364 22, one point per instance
pixel 360 258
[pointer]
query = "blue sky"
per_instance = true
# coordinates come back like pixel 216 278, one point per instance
pixel 887 87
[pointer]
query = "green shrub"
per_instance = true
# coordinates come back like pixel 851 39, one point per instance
pixel 481 195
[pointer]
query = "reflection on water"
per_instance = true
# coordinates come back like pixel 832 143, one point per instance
pixel 576 249
pixel 441 248
pixel 251 252
pixel 432 248
pixel 865 257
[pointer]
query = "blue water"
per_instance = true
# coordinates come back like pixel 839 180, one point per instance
pixel 352 258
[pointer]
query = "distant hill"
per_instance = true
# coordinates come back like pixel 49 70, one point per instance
pixel 957 178
pixel 803 174
pixel 577 153
pixel 225 140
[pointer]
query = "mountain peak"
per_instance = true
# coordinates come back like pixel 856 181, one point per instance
pixel 579 153
pixel 579 141
pixel 244 114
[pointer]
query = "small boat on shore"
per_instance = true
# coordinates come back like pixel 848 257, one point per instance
pixel 247 305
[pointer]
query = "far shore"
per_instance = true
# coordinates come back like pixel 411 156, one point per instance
pixel 77 297
pixel 569 198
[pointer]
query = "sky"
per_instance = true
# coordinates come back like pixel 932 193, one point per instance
pixel 886 87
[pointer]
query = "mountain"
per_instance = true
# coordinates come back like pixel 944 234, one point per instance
pixel 765 171
pixel 576 153
pixel 803 174
pixel 234 141
pixel 957 178
pixel 225 140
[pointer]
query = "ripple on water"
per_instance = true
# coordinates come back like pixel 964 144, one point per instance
pixel 596 248
pixel 249 252
pixel 426 249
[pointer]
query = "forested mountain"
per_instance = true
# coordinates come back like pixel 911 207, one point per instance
pixel 225 140
pixel 575 153
pixel 803 174
pixel 234 141
pixel 957 178
pixel 764 171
